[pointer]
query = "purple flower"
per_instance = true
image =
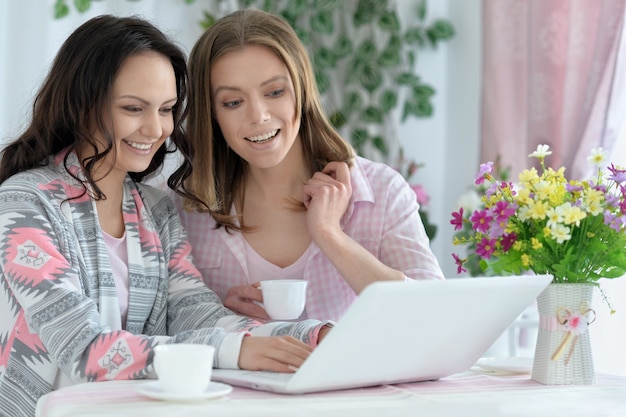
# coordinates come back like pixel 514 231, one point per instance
pixel 486 247
pixel 507 241
pixel 502 211
pixel 481 220
pixel 617 175
pixel 484 170
pixel 459 263
pixel 457 219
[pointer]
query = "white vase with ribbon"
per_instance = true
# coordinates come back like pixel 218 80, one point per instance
pixel 563 352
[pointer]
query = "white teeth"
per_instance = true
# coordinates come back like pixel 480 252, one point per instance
pixel 264 137
pixel 140 146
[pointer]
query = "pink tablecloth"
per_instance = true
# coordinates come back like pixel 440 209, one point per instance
pixel 467 394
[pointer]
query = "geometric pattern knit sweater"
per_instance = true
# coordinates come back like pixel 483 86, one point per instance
pixel 59 313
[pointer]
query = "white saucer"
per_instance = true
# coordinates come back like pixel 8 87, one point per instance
pixel 153 390
pixel 510 365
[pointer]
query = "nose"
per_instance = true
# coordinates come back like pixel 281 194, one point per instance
pixel 152 126
pixel 258 111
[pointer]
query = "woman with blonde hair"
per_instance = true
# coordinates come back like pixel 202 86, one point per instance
pixel 287 197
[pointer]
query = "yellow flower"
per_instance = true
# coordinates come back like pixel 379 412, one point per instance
pixel 538 210
pixel 571 214
pixel 548 224
pixel 528 177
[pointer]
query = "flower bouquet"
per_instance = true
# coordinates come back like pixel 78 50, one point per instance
pixel 574 230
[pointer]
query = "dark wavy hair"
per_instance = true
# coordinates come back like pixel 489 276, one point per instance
pixel 75 99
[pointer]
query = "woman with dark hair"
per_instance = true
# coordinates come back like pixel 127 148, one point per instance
pixel 287 196
pixel 96 269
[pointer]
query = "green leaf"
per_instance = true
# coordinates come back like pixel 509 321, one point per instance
pixel 389 100
pixel 190 1
pixel 410 57
pixel 415 37
pixel 407 78
pixel 421 108
pixel 358 139
pixel 303 35
pixel 296 8
pixel 366 52
pixel 353 102
pixel 421 10
pixel 423 91
pixel 395 42
pixel 60 9
pixel 389 21
pixel 367 10
pixel 372 114
pixel 326 5
pixel 322 23
pixel 82 5
pixel 269 6
pixel 338 119
pixel 343 47
pixel 439 30
pixel 389 58
pixel 324 59
pixel 207 20
pixel 371 76
pixel 323 81
pixel 379 143
pixel 424 108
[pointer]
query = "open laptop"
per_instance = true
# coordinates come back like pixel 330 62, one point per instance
pixel 398 332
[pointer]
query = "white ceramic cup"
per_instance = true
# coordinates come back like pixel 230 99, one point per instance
pixel 184 368
pixel 284 299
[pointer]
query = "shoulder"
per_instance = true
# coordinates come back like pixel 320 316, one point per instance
pixel 374 171
pixel 375 176
pixel 38 181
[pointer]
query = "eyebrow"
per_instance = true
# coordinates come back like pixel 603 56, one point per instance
pixel 142 100
pixel 264 83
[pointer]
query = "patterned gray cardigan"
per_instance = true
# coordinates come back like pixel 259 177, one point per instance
pixel 59 313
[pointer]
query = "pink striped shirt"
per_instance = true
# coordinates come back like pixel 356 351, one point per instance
pixel 382 216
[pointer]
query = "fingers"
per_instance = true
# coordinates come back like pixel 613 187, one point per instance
pixel 339 171
pixel 244 299
pixel 279 354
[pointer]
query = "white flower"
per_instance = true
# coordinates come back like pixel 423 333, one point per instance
pixel 541 152
pixel 469 201
pixel 598 157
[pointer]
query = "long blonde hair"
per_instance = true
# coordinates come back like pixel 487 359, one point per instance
pixel 218 172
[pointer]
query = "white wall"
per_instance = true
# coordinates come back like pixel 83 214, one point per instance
pixel 448 142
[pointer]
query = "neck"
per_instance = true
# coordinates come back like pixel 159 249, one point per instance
pixel 282 181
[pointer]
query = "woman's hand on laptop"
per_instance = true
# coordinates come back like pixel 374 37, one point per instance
pixel 276 353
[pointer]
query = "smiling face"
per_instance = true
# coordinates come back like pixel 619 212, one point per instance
pixel 142 99
pixel 255 105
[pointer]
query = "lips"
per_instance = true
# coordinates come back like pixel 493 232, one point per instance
pixel 266 137
pixel 139 146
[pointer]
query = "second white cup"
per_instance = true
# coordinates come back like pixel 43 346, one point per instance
pixel 184 368
pixel 284 299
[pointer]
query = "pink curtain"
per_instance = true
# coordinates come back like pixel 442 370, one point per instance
pixel 548 69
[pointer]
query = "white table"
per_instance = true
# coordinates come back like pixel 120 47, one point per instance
pixel 469 394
